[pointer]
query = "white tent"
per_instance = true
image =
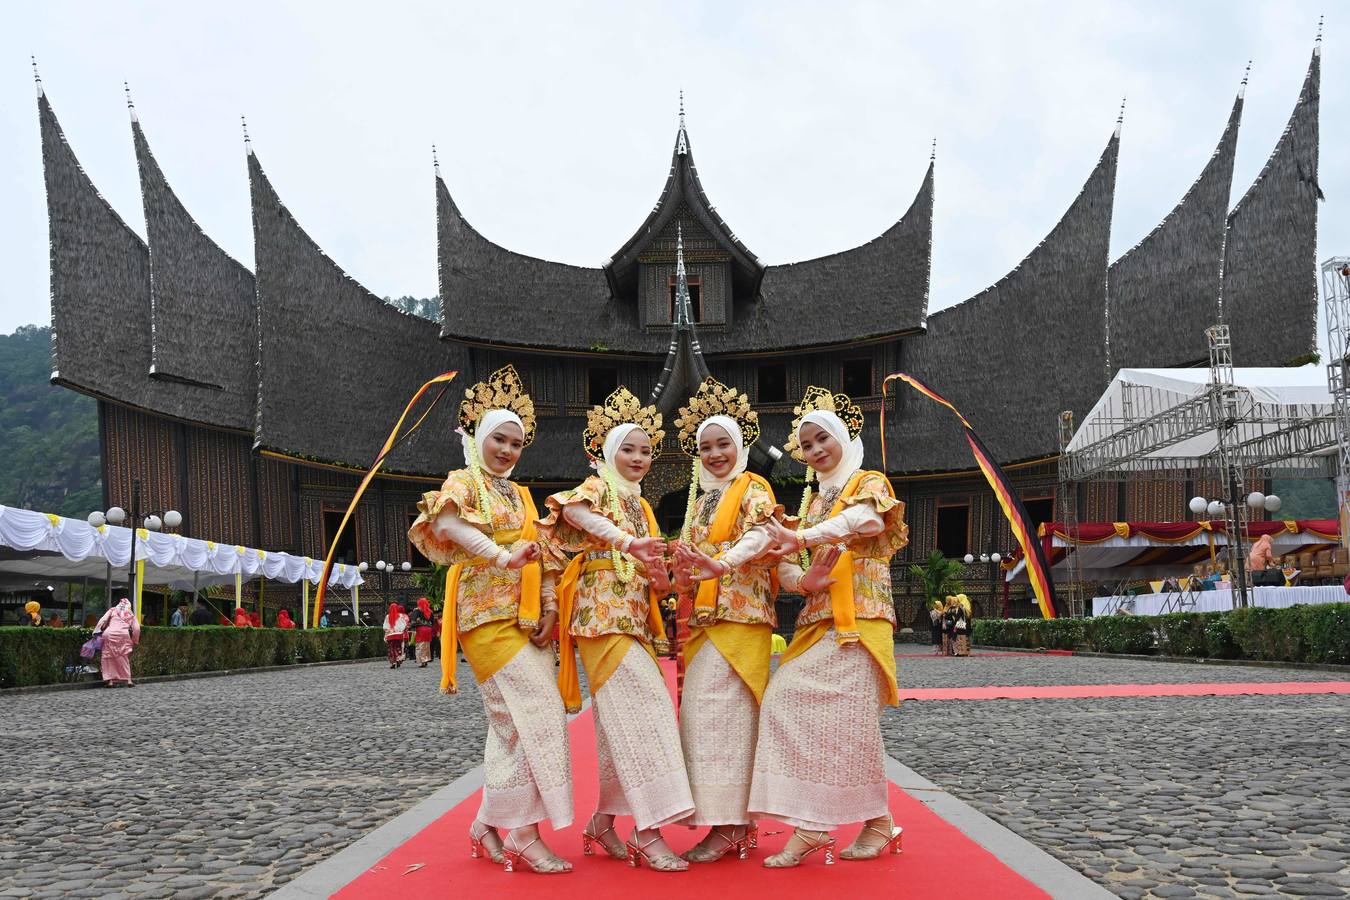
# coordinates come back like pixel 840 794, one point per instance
pixel 44 545
pixel 1162 413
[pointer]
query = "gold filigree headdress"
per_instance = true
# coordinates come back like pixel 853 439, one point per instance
pixel 502 390
pixel 714 398
pixel 818 398
pixel 620 408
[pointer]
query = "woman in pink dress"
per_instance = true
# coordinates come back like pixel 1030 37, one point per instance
pixel 121 633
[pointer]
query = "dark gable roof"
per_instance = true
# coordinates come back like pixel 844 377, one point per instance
pixel 492 295
pixel 100 293
pixel 203 321
pixel 337 363
pixel 877 289
pixel 683 188
pixel 1015 355
pixel 1164 293
pixel 1270 252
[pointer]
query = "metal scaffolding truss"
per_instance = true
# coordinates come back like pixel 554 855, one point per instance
pixel 1336 315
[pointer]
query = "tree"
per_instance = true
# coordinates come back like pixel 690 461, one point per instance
pixel 938 574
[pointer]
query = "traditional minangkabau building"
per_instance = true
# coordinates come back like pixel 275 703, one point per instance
pixel 252 401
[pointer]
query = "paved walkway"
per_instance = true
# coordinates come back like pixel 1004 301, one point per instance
pixel 230 787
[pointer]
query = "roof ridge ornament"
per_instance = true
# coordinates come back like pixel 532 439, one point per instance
pixel 932 154
pixel 435 163
pixel 1317 44
pixel 36 77
pixel 682 140
pixel 1242 89
pixel 1120 118
pixel 131 107
pixel 248 144
pixel 682 316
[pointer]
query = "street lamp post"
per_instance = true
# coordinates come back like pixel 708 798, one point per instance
pixel 1232 510
pixel 152 522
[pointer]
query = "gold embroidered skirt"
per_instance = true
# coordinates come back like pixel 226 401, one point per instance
pixel 637 744
pixel 719 719
pixel 819 761
pixel 527 760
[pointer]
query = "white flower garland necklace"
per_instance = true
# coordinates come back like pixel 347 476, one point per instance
pixel 623 564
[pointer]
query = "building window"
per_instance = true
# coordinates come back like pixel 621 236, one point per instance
pixel 346 548
pixel 772 383
pixel 1040 509
pixel 953 529
pixel 695 298
pixel 415 556
pixel 858 377
pixel 601 381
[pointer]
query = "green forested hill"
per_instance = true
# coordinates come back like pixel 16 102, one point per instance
pixel 49 454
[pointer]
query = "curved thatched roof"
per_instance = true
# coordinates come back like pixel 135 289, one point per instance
pixel 337 363
pixel 1016 354
pixel 203 318
pixel 1164 292
pixel 1270 252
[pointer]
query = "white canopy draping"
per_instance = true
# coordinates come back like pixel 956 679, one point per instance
pixel 1271 397
pixel 51 546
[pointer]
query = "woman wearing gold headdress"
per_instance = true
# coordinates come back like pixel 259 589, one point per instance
pixel 732 598
pixel 500 607
pixel 605 535
pixel 820 760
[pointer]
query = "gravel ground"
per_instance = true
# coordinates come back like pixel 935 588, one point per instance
pixel 229 787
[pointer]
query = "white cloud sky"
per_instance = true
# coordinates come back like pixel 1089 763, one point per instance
pixel 811 122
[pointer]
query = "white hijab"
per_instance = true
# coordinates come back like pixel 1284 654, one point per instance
pixel 852 459
pixel 706 480
pixel 613 441
pixel 492 420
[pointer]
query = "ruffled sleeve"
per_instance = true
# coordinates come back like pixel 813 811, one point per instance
pixel 873 490
pixel 561 539
pixel 457 497
pixel 758 507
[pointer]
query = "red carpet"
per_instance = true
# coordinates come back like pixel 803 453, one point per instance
pixel 938 860
pixel 1070 691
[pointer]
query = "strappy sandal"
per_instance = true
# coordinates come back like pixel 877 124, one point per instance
pixel 546 865
pixel 892 834
pixel 702 853
pixel 476 846
pixel 786 859
pixel 590 837
pixel 667 862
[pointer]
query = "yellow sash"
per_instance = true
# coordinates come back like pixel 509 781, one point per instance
pixel 490 659
pixel 568 683
pixel 728 510
pixel 842 606
pixel 746 647
pixel 878 639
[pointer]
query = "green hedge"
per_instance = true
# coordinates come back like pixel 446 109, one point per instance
pixel 1313 634
pixel 30 656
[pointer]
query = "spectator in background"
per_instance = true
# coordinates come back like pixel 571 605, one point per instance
pixel 395 634
pixel 424 631
pixel 241 618
pixel 323 619
pixel 284 619
pixel 32 614
pixel 202 615
pixel 121 633
pixel 180 616
pixel 56 621
pixel 935 626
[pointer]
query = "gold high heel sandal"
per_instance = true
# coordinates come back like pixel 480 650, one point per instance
pixel 548 865
pixel 891 832
pixel 701 853
pixel 786 859
pixel 752 836
pixel 667 862
pixel 476 846
pixel 590 837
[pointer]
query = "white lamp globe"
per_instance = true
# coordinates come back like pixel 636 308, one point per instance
pixel 117 515
pixel 173 518
pixel 1273 503
pixel 1198 506
pixel 153 523
pixel 364 566
pixel 1256 500
pixel 968 559
pixel 97 519
pixel 984 557
pixel 406 566
pixel 995 557
pixel 1215 509
pixel 380 565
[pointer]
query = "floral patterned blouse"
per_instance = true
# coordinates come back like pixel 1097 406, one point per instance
pixel 745 594
pixel 487 593
pixel 871 554
pixel 602 605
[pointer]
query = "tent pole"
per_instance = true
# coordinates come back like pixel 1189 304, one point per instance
pixel 195 577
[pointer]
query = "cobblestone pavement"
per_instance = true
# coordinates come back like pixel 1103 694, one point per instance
pixel 1152 797
pixel 229 787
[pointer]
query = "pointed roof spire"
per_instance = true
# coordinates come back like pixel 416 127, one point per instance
pixel 932 154
pixel 435 163
pixel 1317 44
pixel 1120 119
pixel 248 145
pixel 682 141
pixel 131 107
pixel 685 367
pixel 1242 90
pixel 36 77
pixel 682 316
